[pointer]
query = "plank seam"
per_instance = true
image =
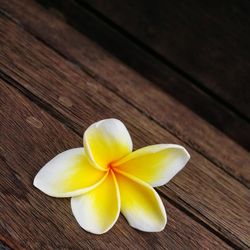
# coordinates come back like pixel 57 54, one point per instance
pixel 67 122
pixel 106 84
pixel 198 220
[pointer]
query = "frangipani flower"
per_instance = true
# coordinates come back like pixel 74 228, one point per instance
pixel 106 177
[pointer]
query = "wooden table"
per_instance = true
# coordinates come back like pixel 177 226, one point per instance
pixel 54 82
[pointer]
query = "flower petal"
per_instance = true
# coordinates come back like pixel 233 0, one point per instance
pixel 98 210
pixel 140 204
pixel 156 164
pixel 107 141
pixel 68 174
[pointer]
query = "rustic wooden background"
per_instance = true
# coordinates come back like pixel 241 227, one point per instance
pixel 174 72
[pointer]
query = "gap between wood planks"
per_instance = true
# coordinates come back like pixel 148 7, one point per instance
pixel 220 160
pixel 57 115
pixel 33 202
pixel 112 94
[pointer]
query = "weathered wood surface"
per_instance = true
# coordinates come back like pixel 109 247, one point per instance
pixel 32 220
pixel 119 78
pixel 202 189
pixel 70 82
pixel 186 88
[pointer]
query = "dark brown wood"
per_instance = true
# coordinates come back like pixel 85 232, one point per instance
pixel 127 84
pixel 206 39
pixel 203 190
pixel 187 89
pixel 31 220
pixel 3 246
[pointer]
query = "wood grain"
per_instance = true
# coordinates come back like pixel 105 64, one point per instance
pixel 121 79
pixel 202 189
pixel 208 40
pixel 155 67
pixel 32 220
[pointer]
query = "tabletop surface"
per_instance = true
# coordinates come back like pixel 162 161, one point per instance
pixel 56 79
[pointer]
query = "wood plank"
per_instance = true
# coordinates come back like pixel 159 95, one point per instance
pixel 32 220
pixel 111 72
pixel 208 40
pixel 221 202
pixel 176 82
